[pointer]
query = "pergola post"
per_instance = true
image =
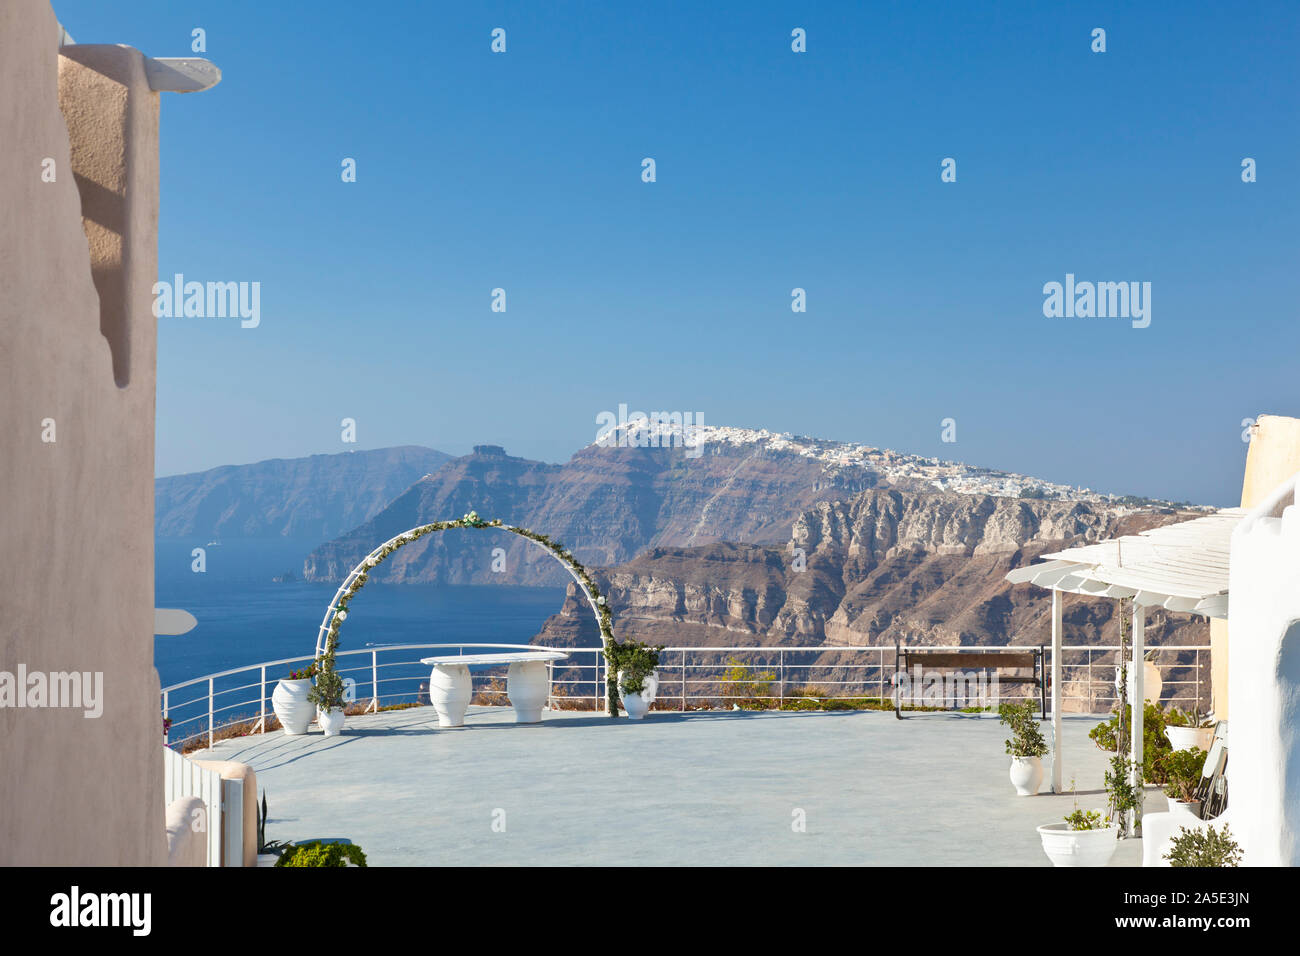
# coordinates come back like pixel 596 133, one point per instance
pixel 1057 622
pixel 1138 703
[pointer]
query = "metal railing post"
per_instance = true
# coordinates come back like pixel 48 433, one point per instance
pixel 1198 682
pixel 261 705
pixel 683 707
pixel 374 680
pixel 166 714
pixel 211 683
pixel 781 679
pixel 1092 692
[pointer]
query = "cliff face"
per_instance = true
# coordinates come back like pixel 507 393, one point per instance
pixel 316 497
pixel 607 504
pixel 883 566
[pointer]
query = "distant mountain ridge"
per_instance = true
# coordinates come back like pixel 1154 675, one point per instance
pixel 641 487
pixel 606 504
pixel 318 497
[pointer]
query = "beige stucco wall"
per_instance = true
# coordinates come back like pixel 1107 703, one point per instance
pixel 1272 458
pixel 76 539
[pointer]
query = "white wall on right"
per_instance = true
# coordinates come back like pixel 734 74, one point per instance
pixel 1264 680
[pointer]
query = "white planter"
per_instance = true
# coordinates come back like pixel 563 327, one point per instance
pixel 528 685
pixel 637 705
pixel 1185 738
pixel 449 692
pixel 331 721
pixel 291 706
pixel 1066 847
pixel 1191 810
pixel 1026 775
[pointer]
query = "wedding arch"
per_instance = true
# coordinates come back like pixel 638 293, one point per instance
pixel 337 612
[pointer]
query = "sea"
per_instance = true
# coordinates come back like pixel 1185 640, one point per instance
pixel 245 617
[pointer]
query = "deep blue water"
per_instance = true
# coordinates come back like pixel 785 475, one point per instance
pixel 245 618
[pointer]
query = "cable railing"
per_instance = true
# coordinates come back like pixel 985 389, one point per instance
pixel 690 678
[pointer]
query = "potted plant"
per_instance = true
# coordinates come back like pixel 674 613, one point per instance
pixel 1204 846
pixel 1085 838
pixel 327 695
pixel 268 852
pixel 1182 772
pixel 290 703
pixel 1185 730
pixel 1026 747
pixel 322 853
pixel 638 681
pixel 1113 735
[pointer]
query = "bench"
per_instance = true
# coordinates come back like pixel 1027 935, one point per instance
pixel 1000 660
pixel 528 683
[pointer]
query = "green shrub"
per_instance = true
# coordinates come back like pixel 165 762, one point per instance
pixel 746 688
pixel 1085 820
pixel 1122 794
pixel 841 703
pixel 1182 772
pixel 1026 737
pixel 1204 847
pixel 1185 718
pixel 316 853
pixel 1154 742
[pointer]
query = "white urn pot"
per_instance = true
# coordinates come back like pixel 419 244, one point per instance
pixel 1066 847
pixel 291 706
pixel 528 685
pixel 1185 810
pixel 637 705
pixel 1151 682
pixel 331 721
pixel 449 692
pixel 1026 775
pixel 1185 738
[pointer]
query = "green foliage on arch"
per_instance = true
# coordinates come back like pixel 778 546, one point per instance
pixel 325 662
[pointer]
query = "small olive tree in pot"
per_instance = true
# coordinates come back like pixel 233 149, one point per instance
pixel 638 681
pixel 1182 773
pixel 1026 747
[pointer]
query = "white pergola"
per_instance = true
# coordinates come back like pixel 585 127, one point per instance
pixel 1181 567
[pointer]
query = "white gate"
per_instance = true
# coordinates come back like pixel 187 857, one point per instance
pixel 223 801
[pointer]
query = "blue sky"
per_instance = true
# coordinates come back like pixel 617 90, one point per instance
pixel 775 170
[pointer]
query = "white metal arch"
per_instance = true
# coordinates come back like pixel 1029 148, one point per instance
pixel 403 539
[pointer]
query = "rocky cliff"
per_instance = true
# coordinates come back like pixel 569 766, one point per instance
pixel 882 566
pixel 316 497
pixel 607 504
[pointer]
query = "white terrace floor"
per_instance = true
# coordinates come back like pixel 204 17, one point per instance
pixel 704 788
